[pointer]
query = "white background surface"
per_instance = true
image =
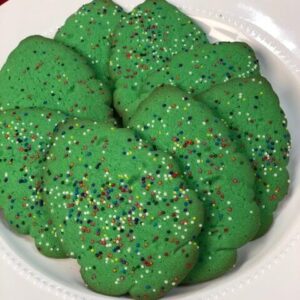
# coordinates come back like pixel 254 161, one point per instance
pixel 283 281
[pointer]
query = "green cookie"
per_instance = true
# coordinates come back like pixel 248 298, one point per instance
pixel 148 38
pixel 199 141
pixel 200 69
pixel 89 31
pixel 251 110
pixel 43 73
pixel 25 137
pixel 123 210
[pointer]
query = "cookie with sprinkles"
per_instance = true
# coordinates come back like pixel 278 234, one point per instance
pixel 44 73
pixel 251 110
pixel 25 137
pixel 122 209
pixel 89 31
pixel 200 69
pixel 148 38
pixel 221 176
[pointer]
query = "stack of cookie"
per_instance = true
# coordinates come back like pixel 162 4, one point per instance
pixel 133 145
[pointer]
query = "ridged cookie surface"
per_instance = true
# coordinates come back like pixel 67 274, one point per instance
pixel 25 138
pixel 89 32
pixel 145 40
pixel 251 111
pixel 221 176
pixel 122 209
pixel 42 73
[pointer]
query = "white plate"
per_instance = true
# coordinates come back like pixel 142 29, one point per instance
pixel 280 63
